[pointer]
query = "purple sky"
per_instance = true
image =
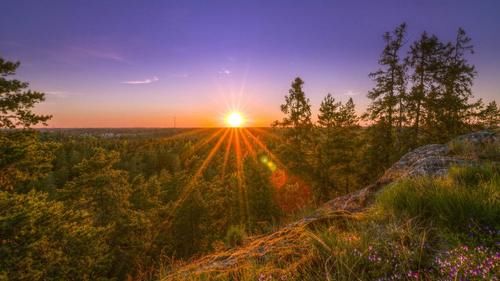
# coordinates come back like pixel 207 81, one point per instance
pixel 107 63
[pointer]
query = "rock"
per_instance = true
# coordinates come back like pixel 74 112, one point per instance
pixel 480 137
pixel 428 160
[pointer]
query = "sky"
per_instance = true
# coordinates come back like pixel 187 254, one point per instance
pixel 121 63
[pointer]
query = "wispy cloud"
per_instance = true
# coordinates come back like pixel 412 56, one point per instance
pixel 351 93
pixel 57 94
pixel 138 82
pixel 100 54
pixel 225 71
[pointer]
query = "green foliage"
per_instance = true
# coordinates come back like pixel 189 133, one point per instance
pixel 335 157
pixel 235 236
pixel 23 159
pixel 490 116
pixel 297 108
pixel 44 240
pixel 468 194
pixel 99 188
pixel 262 208
pixel 16 102
pixel 298 127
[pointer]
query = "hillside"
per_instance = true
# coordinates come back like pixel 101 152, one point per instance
pixel 321 246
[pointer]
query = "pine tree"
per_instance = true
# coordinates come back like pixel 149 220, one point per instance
pixel 297 124
pixel 336 156
pixel 455 77
pixel 328 112
pixel 424 59
pixel 16 101
pixel 490 116
pixel 389 95
pixel 345 141
pixel 327 121
pixel 23 158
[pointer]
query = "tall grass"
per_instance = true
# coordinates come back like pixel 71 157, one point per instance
pixel 467 194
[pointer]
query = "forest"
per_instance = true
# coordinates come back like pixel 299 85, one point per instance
pixel 124 204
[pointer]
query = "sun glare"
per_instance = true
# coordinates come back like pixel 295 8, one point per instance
pixel 235 119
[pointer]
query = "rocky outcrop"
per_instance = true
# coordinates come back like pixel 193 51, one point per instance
pixel 291 243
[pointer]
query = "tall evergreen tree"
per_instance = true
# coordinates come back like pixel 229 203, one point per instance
pixel 327 121
pixel 23 158
pixel 297 124
pixel 16 101
pixel 425 60
pixel 328 112
pixel 490 116
pixel 345 156
pixel 455 76
pixel 389 94
pixel 335 154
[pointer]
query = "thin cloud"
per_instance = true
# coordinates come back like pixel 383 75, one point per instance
pixel 225 71
pixel 351 93
pixel 100 54
pixel 57 94
pixel 138 82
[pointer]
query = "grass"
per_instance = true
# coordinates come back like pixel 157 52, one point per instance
pixel 467 194
pixel 468 150
pixel 418 229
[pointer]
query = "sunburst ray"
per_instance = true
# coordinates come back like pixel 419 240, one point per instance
pixel 191 184
pixel 227 152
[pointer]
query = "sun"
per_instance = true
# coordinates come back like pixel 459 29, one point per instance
pixel 235 119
